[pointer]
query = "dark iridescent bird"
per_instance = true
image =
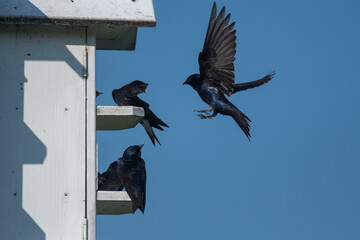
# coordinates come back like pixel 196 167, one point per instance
pixel 132 173
pixel 98 93
pixel 127 96
pixel 110 180
pixel 217 76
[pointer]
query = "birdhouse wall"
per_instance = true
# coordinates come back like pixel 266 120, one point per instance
pixel 47 132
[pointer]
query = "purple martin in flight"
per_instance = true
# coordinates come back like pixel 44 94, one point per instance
pixel 132 174
pixel 127 96
pixel 217 76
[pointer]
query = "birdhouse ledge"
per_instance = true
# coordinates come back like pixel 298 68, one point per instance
pixel 113 203
pixel 118 117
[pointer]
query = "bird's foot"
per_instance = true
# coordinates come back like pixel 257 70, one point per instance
pixel 203 111
pixel 202 116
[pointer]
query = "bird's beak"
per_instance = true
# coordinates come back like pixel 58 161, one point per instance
pixel 144 86
pixel 186 82
pixel 140 146
pixel 98 93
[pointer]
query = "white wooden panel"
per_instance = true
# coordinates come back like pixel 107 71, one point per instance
pixel 79 12
pixel 18 144
pixel 113 203
pixel 42 126
pixel 91 172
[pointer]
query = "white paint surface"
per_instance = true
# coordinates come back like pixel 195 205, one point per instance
pixel 79 12
pixel 48 116
pixel 91 138
pixel 42 138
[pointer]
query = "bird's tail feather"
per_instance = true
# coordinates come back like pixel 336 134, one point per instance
pixel 142 209
pixel 244 86
pixel 136 206
pixel 149 130
pixel 154 120
pixel 242 120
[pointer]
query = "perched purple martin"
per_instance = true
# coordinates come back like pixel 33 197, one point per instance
pixel 110 180
pixel 217 76
pixel 132 174
pixel 127 96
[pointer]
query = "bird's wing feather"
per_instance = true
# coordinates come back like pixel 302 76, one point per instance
pixel 243 86
pixel 217 57
pixel 153 119
pixel 140 103
pixel 142 182
pixel 137 187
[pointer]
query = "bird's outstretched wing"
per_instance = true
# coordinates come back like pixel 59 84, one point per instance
pixel 217 57
pixel 243 86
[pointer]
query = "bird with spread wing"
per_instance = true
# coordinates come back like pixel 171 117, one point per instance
pixel 217 78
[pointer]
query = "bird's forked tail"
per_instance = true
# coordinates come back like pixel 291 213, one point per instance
pixel 242 120
pixel 149 130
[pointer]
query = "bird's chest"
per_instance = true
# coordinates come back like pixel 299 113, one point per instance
pixel 209 94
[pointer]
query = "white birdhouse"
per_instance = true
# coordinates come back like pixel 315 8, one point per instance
pixel 48 162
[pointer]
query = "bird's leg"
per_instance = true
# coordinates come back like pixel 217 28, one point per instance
pixel 202 116
pixel 205 111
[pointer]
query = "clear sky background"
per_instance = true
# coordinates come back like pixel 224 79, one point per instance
pixel 298 178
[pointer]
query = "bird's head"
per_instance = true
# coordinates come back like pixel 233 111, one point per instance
pixel 133 153
pixel 112 166
pixel 138 86
pixel 130 90
pixel 193 80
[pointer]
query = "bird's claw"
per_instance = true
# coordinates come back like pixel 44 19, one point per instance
pixel 203 111
pixel 202 116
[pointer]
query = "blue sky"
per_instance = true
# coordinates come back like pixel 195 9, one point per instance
pixel 298 178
